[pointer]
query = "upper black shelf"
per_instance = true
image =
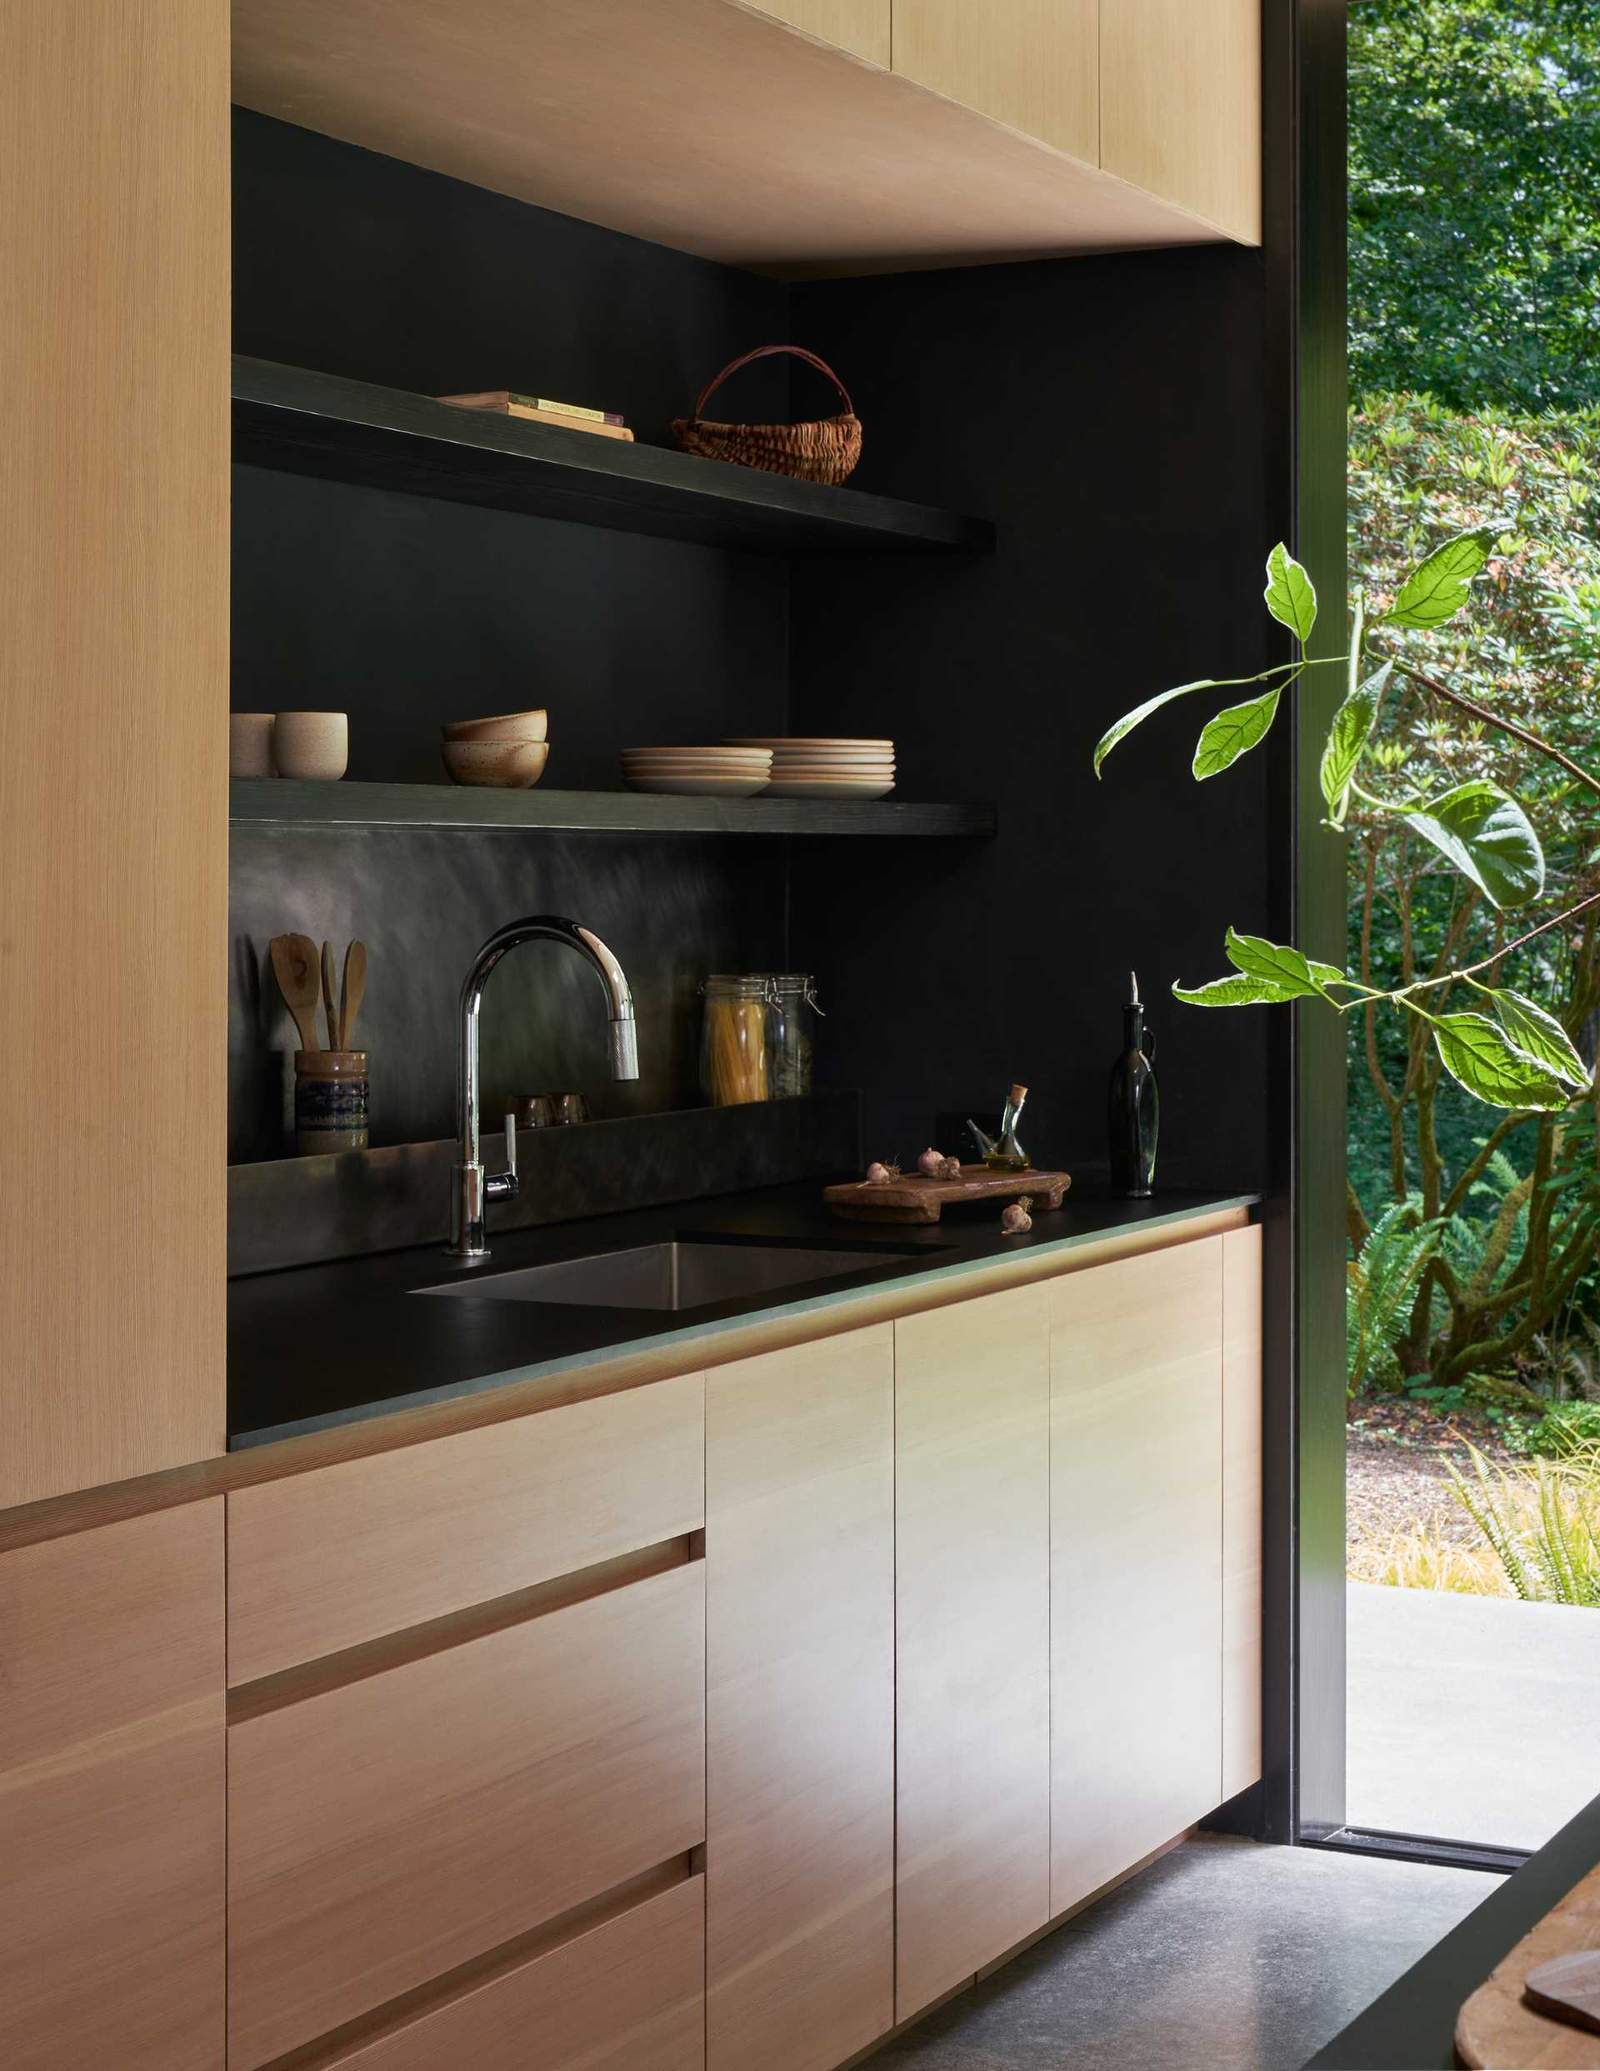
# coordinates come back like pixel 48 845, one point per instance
pixel 306 423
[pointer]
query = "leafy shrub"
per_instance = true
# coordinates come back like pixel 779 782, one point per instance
pixel 1566 1427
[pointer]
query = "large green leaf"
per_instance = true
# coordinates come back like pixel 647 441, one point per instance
pixel 1347 741
pixel 1234 732
pixel 1489 838
pixel 1281 965
pixel 1479 1055
pixel 1129 720
pixel 1540 1037
pixel 1237 991
pixel 1437 588
pixel 1290 596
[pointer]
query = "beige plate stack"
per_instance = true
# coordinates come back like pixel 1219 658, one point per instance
pixel 823 767
pixel 721 772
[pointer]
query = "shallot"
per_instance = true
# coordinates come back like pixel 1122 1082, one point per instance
pixel 1016 1219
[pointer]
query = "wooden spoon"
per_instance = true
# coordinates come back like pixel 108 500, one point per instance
pixel 353 991
pixel 294 965
pixel 328 1006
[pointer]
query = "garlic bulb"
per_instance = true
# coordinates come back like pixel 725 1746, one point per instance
pixel 1016 1220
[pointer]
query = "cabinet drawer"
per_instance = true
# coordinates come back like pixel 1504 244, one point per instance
pixel 344 1554
pixel 384 1832
pixel 624 1995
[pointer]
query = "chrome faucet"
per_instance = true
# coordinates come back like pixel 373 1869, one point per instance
pixel 472 1189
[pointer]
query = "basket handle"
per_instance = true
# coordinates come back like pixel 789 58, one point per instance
pixel 762 352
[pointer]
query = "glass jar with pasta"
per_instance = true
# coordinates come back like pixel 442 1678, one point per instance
pixel 735 1065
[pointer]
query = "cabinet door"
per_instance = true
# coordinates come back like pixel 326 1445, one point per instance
pixel 113 718
pixel 859 26
pixel 972 1600
pixel 800 1704
pixel 1180 105
pixel 1136 1559
pixel 111 1798
pixel 1033 64
pixel 1241 1510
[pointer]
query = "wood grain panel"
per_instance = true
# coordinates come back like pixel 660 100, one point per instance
pixel 113 737
pixel 1241 1510
pixel 383 1833
pixel 689 122
pixel 1180 105
pixel 859 26
pixel 111 1798
pixel 1034 64
pixel 972 1492
pixel 800 1704
pixel 626 1995
pixel 335 1558
pixel 1136 1560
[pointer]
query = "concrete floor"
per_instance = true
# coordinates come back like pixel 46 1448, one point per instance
pixel 1223 1956
pixel 1469 1717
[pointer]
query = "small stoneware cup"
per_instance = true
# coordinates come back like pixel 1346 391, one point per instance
pixel 330 1101
pixel 311 744
pixel 250 744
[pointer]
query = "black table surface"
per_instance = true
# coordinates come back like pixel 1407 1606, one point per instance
pixel 317 1346
pixel 1411 2027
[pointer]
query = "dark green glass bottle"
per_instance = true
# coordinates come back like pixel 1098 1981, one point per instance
pixel 1133 1106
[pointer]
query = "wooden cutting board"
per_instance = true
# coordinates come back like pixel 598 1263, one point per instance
pixel 1498 2030
pixel 912 1198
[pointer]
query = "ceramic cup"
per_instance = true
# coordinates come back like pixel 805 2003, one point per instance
pixel 250 744
pixel 311 744
pixel 330 1101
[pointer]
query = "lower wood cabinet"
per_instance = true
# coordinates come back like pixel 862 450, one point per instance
pixel 112 1771
pixel 386 1831
pixel 972 1596
pixel 1136 1560
pixel 800 1704
pixel 1241 1510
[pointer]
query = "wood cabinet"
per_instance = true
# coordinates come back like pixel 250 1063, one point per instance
pixel 1241 1509
pixel 972 1604
pixel 859 26
pixel 1033 64
pixel 111 1798
pixel 386 1831
pixel 1136 1560
pixel 1180 105
pixel 113 739
pixel 800 1704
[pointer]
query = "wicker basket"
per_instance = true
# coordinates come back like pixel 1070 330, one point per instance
pixel 825 450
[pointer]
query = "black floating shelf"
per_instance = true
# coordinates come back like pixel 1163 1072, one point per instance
pixel 280 802
pixel 305 423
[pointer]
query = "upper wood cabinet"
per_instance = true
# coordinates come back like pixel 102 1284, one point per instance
pixel 859 26
pixel 1180 105
pixel 1031 63
pixel 800 1704
pixel 112 1775
pixel 972 1598
pixel 113 712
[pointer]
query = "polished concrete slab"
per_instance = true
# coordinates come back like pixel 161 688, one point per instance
pixel 1469 1717
pixel 1224 1956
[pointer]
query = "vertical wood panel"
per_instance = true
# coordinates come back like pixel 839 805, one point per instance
pixel 1241 1510
pixel 1180 105
pixel 1136 1560
pixel 859 26
pixel 111 1798
pixel 113 737
pixel 972 1604
pixel 800 1704
pixel 1031 63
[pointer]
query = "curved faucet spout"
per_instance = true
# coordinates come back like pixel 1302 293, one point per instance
pixel 472 1189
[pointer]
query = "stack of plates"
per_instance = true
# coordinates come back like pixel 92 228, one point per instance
pixel 820 767
pixel 725 772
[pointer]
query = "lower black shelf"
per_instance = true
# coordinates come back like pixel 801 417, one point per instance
pixel 281 802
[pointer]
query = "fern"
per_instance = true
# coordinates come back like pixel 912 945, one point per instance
pixel 1542 1522
pixel 1381 1282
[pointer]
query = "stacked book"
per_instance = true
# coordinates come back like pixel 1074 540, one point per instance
pixel 542 410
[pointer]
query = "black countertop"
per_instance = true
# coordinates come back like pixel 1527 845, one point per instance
pixel 1412 2026
pixel 319 1346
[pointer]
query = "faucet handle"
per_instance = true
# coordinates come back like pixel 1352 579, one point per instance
pixel 511 1146
pixel 503 1186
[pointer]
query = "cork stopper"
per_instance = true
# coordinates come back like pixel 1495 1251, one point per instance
pixel 1018 1095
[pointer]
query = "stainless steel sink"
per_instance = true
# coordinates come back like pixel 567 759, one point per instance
pixel 669 1276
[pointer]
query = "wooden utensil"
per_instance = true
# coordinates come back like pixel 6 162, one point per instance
pixel 915 1198
pixel 294 965
pixel 1505 2023
pixel 353 991
pixel 329 1009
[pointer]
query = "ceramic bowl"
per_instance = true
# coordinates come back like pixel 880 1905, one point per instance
pixel 511 726
pixel 311 744
pixel 508 765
